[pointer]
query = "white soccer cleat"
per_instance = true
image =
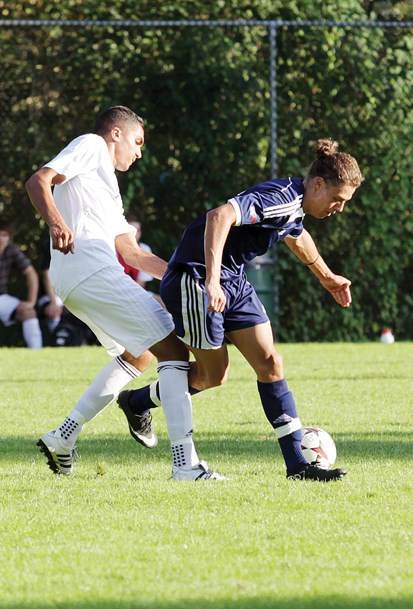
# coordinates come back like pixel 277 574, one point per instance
pixel 200 471
pixel 59 456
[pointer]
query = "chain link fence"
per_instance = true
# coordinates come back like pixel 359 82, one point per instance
pixel 56 75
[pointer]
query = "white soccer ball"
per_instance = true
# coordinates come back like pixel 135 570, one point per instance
pixel 318 447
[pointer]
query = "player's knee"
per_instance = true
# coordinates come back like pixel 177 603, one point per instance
pixel 270 368
pixel 217 378
pixel 207 379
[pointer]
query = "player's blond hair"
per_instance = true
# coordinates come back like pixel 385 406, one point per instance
pixel 335 167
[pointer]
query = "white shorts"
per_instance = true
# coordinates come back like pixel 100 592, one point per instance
pixel 8 305
pixel 119 312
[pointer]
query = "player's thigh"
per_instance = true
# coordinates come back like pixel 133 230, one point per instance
pixel 186 300
pixel 121 310
pixel 170 348
pixel 112 347
pixel 257 346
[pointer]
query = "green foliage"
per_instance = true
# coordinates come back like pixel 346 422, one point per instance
pixel 205 96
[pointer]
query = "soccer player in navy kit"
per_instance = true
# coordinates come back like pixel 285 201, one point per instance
pixel 207 292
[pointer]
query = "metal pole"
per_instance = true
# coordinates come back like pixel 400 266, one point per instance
pixel 272 32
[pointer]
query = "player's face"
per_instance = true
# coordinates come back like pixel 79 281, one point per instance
pixel 324 199
pixel 4 240
pixel 128 146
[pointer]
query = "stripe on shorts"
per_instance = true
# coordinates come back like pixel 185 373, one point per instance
pixel 193 318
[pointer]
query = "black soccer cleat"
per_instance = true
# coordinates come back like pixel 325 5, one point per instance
pixel 139 424
pixel 312 472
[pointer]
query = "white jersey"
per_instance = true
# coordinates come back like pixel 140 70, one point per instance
pixel 90 203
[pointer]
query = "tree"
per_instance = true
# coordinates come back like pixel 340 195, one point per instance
pixel 204 94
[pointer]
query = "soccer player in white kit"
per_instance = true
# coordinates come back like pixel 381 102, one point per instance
pixel 77 194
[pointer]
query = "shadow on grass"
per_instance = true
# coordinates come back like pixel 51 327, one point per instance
pixel 118 448
pixel 327 602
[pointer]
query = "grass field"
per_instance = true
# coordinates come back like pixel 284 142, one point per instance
pixel 120 535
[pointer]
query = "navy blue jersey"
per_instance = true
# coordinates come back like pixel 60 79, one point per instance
pixel 265 214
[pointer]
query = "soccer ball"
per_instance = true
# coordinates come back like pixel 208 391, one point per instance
pixel 318 447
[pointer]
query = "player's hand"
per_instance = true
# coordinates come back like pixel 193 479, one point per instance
pixel 53 311
pixel 216 297
pixel 339 288
pixel 62 238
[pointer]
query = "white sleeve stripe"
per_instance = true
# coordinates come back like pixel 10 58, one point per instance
pixel 237 210
pixel 297 199
pixel 282 213
pixel 285 206
pixel 296 214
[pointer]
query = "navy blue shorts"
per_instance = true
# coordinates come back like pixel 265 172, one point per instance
pixel 186 301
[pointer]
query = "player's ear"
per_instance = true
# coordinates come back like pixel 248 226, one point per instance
pixel 115 133
pixel 318 183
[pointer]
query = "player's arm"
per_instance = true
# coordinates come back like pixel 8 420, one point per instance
pixel 39 188
pixel 306 250
pixel 138 258
pixel 32 285
pixel 218 225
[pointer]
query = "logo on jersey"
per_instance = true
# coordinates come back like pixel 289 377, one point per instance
pixel 253 214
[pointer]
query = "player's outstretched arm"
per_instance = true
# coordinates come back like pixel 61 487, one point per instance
pixel 138 258
pixel 306 250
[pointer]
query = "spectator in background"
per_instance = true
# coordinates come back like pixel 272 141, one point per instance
pixel 49 304
pixel 12 309
pixel 139 276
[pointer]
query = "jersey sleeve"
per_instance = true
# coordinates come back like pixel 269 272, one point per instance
pixel 296 232
pixel 82 155
pixel 248 208
pixel 264 208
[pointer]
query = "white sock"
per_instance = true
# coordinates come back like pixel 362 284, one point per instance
pixel 71 428
pixel 32 333
pixel 184 453
pixel 177 406
pixel 104 388
pixel 52 324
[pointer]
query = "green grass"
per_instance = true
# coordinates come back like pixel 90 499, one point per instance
pixel 120 535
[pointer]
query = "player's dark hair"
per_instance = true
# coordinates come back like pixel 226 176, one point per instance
pixel 116 116
pixel 6 226
pixel 334 167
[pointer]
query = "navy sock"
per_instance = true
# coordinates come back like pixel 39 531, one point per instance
pixel 140 400
pixel 280 409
